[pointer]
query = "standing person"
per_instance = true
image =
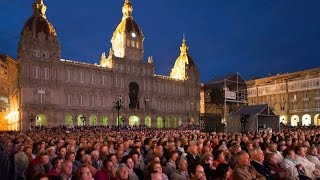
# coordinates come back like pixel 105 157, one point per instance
pixel 209 169
pixel 43 166
pixel 171 164
pixel 21 162
pixel 96 162
pixel 243 169
pixel 108 172
pixel 193 155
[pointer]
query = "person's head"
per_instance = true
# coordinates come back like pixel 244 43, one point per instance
pixel 128 161
pixel 104 150
pixel 257 155
pixel 155 166
pixel 208 159
pixel 289 153
pixel 193 149
pixel 154 158
pixel 272 158
pixel 273 147
pixel 44 158
pixel 243 158
pixel 108 165
pixel 224 171
pixel 234 149
pixel 158 150
pixel 67 167
pixel 51 151
pixel 173 155
pixel 86 159
pixel 219 155
pixel 83 173
pixel 40 176
pixel 122 172
pixel 197 172
pixel 155 175
pixel 79 154
pixel 70 156
pixel 57 162
pixel 182 164
pixel 95 155
pixel 27 149
pixel 62 151
pixel 300 150
pixel 313 151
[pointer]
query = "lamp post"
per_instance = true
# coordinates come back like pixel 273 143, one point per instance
pixel 164 123
pixel 83 118
pixel 31 118
pixel 123 119
pixel 118 104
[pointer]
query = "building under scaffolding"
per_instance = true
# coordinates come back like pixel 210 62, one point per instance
pixel 219 97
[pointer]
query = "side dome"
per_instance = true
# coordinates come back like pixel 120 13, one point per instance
pixel 38 21
pixel 183 63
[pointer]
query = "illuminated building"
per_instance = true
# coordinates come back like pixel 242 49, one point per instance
pixel 294 96
pixel 54 91
pixel 8 70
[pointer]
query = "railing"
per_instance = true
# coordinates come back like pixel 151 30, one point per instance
pixel 305 99
pixel 293 100
pixel 316 98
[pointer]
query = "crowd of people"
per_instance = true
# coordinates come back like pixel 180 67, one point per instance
pixel 100 153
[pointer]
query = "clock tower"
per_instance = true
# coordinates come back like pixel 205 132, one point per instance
pixel 127 39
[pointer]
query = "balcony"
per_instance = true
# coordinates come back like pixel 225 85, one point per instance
pixel 293 100
pixel 316 98
pixel 305 99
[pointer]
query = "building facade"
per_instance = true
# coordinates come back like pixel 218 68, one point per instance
pixel 52 91
pixel 294 96
pixel 8 70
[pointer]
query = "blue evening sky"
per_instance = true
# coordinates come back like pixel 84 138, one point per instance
pixel 253 37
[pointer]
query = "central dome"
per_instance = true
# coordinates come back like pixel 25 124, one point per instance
pixel 128 25
pixel 38 22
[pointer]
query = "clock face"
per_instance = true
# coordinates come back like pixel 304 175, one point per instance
pixel 133 34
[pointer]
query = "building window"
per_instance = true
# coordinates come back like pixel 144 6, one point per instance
pixel 93 101
pixel 103 80
pixel 46 54
pixel 318 105
pixel 128 42
pixel 46 73
pixel 132 43
pixel 81 77
pixel 69 100
pixel 138 45
pixel 36 53
pixel 305 95
pixel 81 100
pixel 305 106
pixel 41 92
pixel 282 108
pixel 116 82
pixel 69 75
pixel 294 107
pixel 93 79
pixel 159 105
pixel 37 71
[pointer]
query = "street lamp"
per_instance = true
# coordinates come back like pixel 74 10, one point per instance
pixel 83 118
pixel 123 119
pixel 31 118
pixel 118 104
pixel 164 123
